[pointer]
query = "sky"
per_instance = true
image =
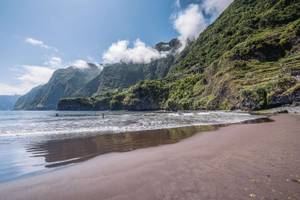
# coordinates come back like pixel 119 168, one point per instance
pixel 39 37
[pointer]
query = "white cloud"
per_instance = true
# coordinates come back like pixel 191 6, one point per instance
pixel 35 42
pixel 54 62
pixel 30 76
pixel 80 64
pixel 189 23
pixel 139 53
pixel 36 75
pixel 6 89
pixel 38 43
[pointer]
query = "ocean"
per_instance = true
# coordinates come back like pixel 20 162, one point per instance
pixel 34 142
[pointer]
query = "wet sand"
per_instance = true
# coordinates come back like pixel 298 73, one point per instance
pixel 247 161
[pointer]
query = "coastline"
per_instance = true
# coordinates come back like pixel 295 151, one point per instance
pixel 239 161
pixel 49 142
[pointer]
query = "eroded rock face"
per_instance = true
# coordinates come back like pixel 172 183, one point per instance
pixel 292 98
pixel 280 101
pixel 254 100
pixel 250 104
pixel 255 103
pixel 171 46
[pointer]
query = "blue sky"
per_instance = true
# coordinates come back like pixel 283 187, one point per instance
pixel 38 37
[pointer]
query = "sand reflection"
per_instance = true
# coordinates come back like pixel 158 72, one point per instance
pixel 66 151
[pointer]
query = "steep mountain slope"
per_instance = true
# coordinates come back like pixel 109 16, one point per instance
pixel 241 60
pixel 63 83
pixel 120 76
pixel 7 102
pixel 113 80
pixel 249 59
pixel 72 82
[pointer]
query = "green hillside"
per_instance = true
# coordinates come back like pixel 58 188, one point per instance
pixel 122 75
pixel 92 82
pixel 249 58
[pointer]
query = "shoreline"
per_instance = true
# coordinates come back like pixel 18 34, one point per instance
pixel 63 152
pixel 239 161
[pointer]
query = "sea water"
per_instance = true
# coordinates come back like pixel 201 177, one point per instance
pixel 33 142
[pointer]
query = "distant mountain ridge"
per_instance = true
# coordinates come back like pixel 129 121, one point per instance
pixel 72 82
pixel 63 83
pixel 7 102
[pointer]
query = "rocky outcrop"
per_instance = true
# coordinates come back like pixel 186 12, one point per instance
pixel 78 104
pixel 288 98
pixel 170 47
pixel 145 96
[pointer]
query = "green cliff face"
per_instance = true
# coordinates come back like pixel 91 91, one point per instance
pixel 122 75
pixel 248 59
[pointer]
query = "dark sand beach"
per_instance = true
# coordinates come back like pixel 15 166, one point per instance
pixel 244 161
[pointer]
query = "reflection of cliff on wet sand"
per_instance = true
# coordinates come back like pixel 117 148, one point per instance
pixel 65 151
pixel 62 152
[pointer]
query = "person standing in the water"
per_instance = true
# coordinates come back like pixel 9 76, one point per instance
pixel 102 115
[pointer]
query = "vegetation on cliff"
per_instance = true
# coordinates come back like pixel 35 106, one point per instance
pixel 71 83
pixel 248 59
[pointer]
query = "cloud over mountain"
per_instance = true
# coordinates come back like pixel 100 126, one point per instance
pixel 36 74
pixel 29 76
pixel 54 62
pixel 80 64
pixel 190 21
pixel 140 53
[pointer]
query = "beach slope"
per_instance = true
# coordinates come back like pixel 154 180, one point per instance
pixel 246 161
